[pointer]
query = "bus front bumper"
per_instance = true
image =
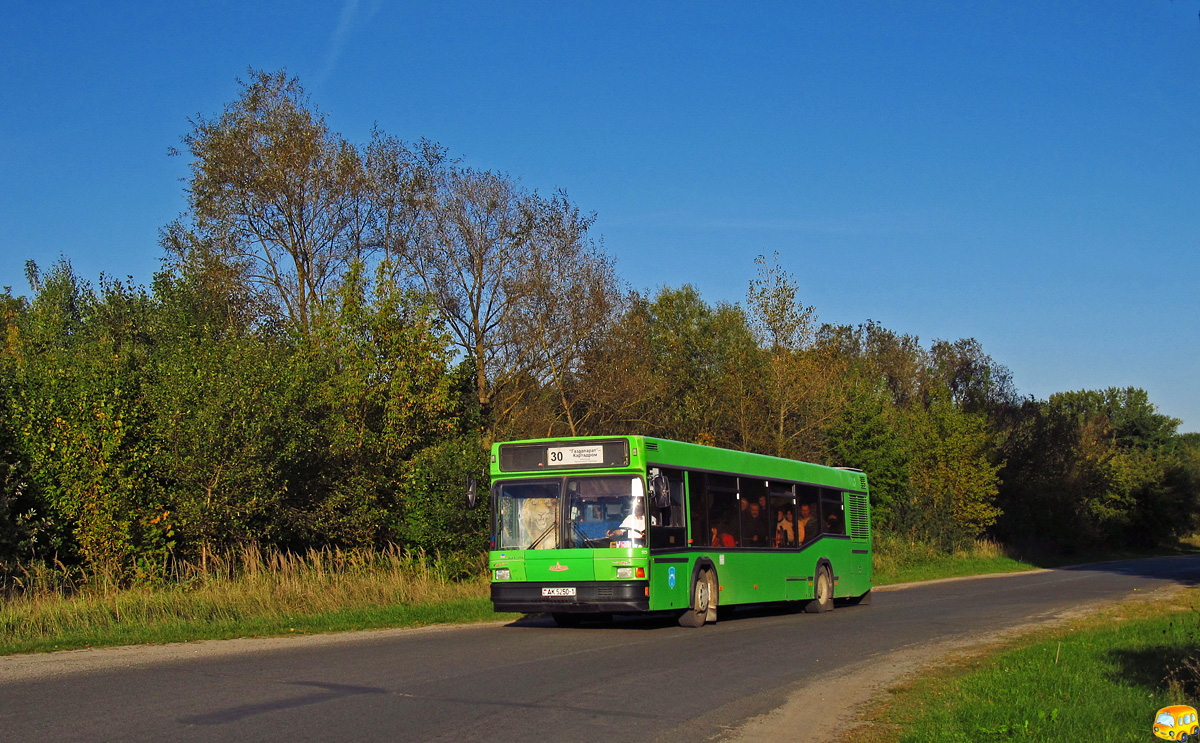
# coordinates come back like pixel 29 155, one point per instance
pixel 590 596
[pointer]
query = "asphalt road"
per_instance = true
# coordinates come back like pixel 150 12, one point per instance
pixel 635 680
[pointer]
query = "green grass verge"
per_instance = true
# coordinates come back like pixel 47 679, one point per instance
pixel 258 595
pixel 462 611
pixel 1097 679
pixel 897 560
pixel 248 594
pixel 949 566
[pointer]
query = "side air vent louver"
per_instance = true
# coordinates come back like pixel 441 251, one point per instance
pixel 862 480
pixel 859 516
pixel 651 446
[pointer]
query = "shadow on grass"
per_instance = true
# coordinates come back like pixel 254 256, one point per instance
pixel 1158 668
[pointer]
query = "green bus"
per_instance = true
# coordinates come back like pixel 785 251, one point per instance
pixel 632 524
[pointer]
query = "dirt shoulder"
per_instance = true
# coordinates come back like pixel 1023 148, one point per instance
pixel 847 693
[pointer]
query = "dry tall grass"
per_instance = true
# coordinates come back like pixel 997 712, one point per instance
pixel 899 559
pixel 238 587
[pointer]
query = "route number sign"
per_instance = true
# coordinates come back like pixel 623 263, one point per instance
pixel 569 455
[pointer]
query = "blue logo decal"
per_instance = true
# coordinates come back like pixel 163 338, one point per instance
pixel 671 577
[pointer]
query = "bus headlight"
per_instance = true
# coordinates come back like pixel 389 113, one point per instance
pixel 502 574
pixel 624 572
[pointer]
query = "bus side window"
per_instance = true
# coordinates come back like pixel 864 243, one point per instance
pixel 757 530
pixel 674 516
pixel 723 509
pixel 808 513
pixel 697 494
pixel 783 516
pixel 833 512
pixel 668 528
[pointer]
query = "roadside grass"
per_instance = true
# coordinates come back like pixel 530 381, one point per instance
pixel 900 560
pixel 1100 678
pixel 254 594
pixel 245 595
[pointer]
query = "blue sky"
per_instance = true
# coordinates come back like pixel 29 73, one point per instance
pixel 1027 174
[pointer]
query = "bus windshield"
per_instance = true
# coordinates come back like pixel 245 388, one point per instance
pixel 601 511
pixel 528 514
pixel 606 512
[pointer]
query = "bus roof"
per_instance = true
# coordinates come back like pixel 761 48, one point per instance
pixel 641 452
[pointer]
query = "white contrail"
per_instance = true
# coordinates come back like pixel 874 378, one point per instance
pixel 338 42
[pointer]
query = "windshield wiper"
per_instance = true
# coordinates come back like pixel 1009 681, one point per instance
pixel 587 541
pixel 543 535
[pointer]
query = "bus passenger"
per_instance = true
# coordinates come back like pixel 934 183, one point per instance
pixel 755 523
pixel 833 524
pixel 806 529
pixel 785 531
pixel 721 538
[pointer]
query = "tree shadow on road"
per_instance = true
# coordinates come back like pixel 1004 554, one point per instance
pixel 1182 569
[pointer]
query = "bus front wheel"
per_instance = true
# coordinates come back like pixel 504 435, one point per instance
pixel 823 588
pixel 697 615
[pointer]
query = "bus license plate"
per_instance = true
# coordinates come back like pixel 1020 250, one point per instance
pixel 558 591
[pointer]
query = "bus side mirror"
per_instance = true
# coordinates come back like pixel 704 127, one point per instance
pixel 472 491
pixel 660 492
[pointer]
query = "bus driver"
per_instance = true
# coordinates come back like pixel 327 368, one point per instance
pixel 634 524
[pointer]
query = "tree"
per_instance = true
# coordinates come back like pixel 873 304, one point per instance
pixel 777 316
pixel 280 194
pixel 898 359
pixel 26 531
pixel 953 484
pixel 1097 467
pixel 670 367
pixel 521 287
pixel 867 434
pixel 798 379
pixel 79 371
pixel 566 297
pixel 479 242
pixel 975 381
pixel 403 188
pixel 380 395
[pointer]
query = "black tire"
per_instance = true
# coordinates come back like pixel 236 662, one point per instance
pixel 823 590
pixel 1183 737
pixel 697 614
pixel 563 619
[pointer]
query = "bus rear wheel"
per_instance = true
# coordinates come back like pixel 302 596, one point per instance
pixel 697 615
pixel 823 588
